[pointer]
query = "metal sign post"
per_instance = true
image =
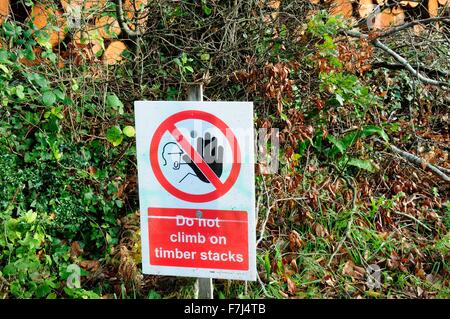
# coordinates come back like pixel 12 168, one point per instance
pixel 203 286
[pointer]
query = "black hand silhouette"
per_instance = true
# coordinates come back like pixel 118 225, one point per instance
pixel 211 153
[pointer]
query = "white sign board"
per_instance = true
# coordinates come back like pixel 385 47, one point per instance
pixel 196 188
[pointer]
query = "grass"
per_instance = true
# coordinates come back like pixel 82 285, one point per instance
pixel 364 245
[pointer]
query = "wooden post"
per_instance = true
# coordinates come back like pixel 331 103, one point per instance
pixel 203 286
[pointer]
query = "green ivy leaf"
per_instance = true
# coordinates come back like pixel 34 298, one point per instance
pixel 372 129
pixel 114 135
pixel 19 92
pixel 30 217
pixel 38 80
pixel 4 58
pixel 337 143
pixel 178 62
pixel 59 94
pixel 340 99
pixel 207 10
pixel 205 57
pixel 52 296
pixel 129 131
pixel 5 69
pixel 362 164
pixel 114 102
pixel 42 290
pixel 75 86
pixel 9 270
pixel 49 98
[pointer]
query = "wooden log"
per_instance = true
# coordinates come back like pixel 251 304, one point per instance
pixel 343 7
pixel 135 11
pixel 433 8
pixel 411 4
pixel 366 7
pixel 78 10
pixel 108 27
pixel 83 5
pixel 88 42
pixel 4 10
pixel 46 18
pixel 113 53
pixel 388 18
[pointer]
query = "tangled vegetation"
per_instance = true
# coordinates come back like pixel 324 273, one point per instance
pixel 364 144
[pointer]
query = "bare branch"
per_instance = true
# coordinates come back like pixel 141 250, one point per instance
pixel 413 23
pixel 398 66
pixel 377 43
pixel 444 169
pixel 408 66
pixel 416 160
pixel 122 23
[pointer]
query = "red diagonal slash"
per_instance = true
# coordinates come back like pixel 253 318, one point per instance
pixel 195 157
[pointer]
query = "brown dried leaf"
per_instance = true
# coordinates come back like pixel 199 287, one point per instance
pixel 328 279
pixel 320 231
pixel 294 265
pixel 75 249
pixel 274 4
pixel 90 265
pixel 292 288
pixel 353 271
pixel 113 53
pixel 295 241
pixel 394 262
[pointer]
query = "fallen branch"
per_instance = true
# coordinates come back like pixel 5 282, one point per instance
pixel 416 160
pixel 445 19
pixel 408 66
pixel 398 66
pixel 444 169
pixel 414 219
pixel 377 43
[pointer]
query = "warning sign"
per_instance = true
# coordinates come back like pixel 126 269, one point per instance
pixel 196 188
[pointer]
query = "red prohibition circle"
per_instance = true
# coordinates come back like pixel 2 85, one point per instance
pixel 169 126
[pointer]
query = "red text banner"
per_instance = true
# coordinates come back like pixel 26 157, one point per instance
pixel 200 238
